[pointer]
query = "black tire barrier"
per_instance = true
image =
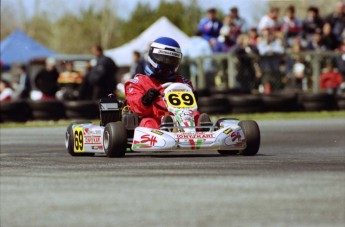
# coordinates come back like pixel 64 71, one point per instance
pixel 280 102
pixel 15 111
pixel 214 105
pixel 47 110
pixel 246 104
pixel 318 102
pixel 203 92
pixel 81 109
pixel 341 102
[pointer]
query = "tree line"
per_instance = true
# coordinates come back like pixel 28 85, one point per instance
pixel 74 32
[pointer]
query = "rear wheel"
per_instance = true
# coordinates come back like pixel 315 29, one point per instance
pixel 69 141
pixel 252 134
pixel 115 139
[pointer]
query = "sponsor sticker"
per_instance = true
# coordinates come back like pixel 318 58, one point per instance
pixel 167 52
pixel 195 136
pixel 227 131
pixel 157 132
pixel 92 139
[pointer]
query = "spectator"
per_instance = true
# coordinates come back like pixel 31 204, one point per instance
pixel 340 60
pixel 331 79
pixel 102 77
pixel 6 91
pixel 230 29
pixel 337 20
pixel 298 69
pixel 238 21
pixel 315 43
pixel 248 74
pixel 198 47
pixel 139 64
pixel 24 86
pixel 85 87
pixel 270 46
pixel 312 23
pixel 270 20
pixel 291 26
pixel 46 80
pixel 328 40
pixel 224 41
pixel 69 81
pixel 253 36
pixel 210 26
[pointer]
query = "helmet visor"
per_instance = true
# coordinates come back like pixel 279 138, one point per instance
pixel 170 59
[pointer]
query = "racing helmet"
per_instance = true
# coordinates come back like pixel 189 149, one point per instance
pixel 163 59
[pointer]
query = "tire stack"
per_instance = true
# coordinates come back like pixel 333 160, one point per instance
pixel 341 102
pixel 47 110
pixel 280 102
pixel 17 111
pixel 246 104
pixel 317 102
pixel 81 109
pixel 214 105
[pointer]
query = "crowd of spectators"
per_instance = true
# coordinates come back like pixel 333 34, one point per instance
pixel 62 81
pixel 273 36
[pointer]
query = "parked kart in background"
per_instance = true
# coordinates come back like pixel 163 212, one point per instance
pixel 119 130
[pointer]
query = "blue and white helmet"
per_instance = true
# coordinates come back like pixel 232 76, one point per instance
pixel 164 59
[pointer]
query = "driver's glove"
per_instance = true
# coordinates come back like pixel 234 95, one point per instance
pixel 149 97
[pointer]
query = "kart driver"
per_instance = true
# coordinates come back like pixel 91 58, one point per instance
pixel 143 92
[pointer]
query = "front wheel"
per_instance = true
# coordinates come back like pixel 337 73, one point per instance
pixel 115 139
pixel 252 134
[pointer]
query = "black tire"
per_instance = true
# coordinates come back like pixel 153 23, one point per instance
pixel 203 92
pixel 115 139
pixel 316 106
pixel 214 105
pixel 81 109
pixel 280 102
pixel 318 102
pixel 70 143
pixel 47 110
pixel 341 102
pixel 252 134
pixel 246 104
pixel 17 111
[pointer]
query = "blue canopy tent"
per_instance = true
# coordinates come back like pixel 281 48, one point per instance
pixel 20 48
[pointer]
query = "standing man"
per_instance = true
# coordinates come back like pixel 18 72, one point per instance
pixel 210 25
pixel 46 79
pixel 102 77
pixel 138 66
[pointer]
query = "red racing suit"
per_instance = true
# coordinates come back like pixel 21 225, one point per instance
pixel 137 87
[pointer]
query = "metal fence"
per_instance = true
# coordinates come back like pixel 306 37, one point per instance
pixel 292 71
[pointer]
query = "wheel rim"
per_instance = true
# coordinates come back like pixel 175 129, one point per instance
pixel 67 140
pixel 106 140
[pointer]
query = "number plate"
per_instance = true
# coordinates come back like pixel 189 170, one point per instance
pixel 181 99
pixel 78 139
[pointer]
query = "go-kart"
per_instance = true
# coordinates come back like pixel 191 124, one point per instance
pixel 119 130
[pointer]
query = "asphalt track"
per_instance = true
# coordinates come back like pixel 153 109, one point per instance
pixel 297 179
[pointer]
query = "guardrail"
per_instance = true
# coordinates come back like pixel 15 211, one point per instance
pixel 226 65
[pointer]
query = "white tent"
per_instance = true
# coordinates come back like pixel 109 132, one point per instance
pixel 162 27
